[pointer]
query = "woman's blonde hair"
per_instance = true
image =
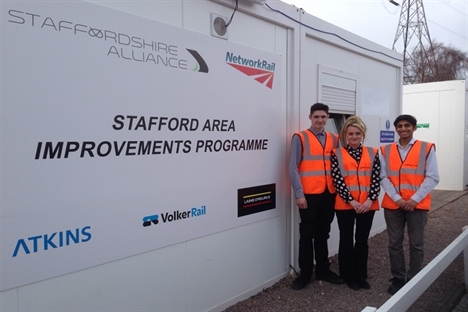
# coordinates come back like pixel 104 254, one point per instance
pixel 353 121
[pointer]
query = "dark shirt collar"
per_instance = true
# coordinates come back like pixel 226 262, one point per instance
pixel 316 132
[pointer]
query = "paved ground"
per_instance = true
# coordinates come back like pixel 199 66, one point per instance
pixel 441 198
pixel 449 214
pixel 462 305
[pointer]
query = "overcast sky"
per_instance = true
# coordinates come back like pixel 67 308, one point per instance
pixel 377 20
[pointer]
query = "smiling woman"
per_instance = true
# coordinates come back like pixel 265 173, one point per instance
pixel 353 132
pixel 354 136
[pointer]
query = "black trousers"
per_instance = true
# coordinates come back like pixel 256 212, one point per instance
pixel 354 250
pixel 314 231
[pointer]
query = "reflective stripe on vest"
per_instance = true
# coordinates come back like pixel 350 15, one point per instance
pixel 357 177
pixel 406 176
pixel 315 168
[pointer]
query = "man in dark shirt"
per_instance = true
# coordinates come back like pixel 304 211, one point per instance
pixel 309 170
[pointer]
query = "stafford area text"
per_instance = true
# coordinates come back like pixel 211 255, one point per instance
pixel 142 124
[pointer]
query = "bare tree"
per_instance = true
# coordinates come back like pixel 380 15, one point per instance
pixel 436 63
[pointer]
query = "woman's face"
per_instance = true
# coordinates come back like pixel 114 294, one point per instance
pixel 354 136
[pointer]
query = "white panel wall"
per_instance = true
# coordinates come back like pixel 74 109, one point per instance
pixel 465 172
pixel 211 272
pixel 374 71
pixel 169 12
pixel 442 105
pixel 232 262
pixel 151 281
pixel 191 276
pixel 218 270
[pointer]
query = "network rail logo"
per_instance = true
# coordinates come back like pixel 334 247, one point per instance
pixel 262 71
pixel 177 215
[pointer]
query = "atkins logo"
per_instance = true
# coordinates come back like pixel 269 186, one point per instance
pixel 261 70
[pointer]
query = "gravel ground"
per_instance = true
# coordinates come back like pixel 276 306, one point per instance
pixel 444 225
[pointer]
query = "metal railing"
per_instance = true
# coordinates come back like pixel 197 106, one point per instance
pixel 407 295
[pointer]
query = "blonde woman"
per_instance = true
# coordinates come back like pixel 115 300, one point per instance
pixel 355 173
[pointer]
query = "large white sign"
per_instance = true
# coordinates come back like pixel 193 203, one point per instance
pixel 121 135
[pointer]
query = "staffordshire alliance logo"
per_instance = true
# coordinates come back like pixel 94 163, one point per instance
pixel 174 216
pixel 261 70
pixel 201 67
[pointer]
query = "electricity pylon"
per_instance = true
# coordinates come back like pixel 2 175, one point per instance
pixel 416 47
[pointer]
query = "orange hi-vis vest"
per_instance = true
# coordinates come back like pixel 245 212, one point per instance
pixel 357 177
pixel 315 167
pixel 407 176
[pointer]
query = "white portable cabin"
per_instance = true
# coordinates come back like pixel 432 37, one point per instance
pixel 441 109
pixel 144 146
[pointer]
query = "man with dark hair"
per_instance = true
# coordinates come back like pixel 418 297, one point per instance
pixel 310 174
pixel 408 175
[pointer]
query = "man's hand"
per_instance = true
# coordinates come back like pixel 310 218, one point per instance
pixel 410 205
pixel 301 203
pixel 401 202
pixel 406 205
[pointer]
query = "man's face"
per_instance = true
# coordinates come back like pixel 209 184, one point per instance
pixel 319 119
pixel 404 129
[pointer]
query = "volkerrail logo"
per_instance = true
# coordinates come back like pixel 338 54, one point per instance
pixel 168 217
pixel 261 70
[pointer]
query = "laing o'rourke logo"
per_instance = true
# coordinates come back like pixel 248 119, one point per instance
pixel 261 70
pixel 174 216
pixel 256 199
